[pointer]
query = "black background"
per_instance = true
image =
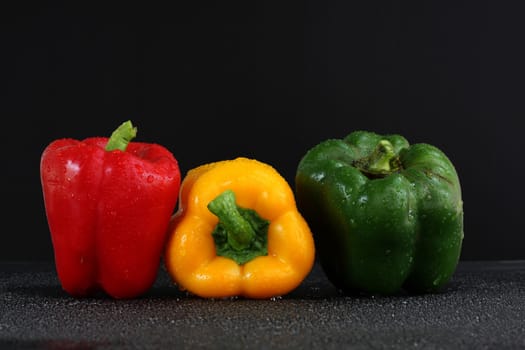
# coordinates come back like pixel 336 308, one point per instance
pixel 268 81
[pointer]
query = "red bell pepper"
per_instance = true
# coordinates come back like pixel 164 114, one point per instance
pixel 108 204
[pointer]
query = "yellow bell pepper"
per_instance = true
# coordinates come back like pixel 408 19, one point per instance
pixel 237 232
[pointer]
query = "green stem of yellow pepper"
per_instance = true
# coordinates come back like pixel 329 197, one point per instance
pixel 241 233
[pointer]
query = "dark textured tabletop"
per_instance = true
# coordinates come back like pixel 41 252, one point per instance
pixel 483 307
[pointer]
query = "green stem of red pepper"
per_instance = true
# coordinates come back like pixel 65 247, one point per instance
pixel 121 137
pixel 241 233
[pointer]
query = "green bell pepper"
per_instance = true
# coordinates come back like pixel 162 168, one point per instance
pixel 386 216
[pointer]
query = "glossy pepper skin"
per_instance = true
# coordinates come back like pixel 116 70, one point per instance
pixel 192 253
pixel 107 213
pixel 386 216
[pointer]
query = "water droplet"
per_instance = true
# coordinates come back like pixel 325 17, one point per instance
pixel 363 200
pixel 318 176
pixel 150 178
